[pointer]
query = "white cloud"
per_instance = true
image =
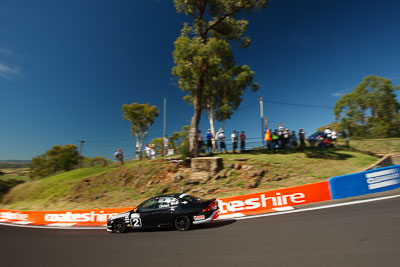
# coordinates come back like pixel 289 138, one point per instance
pixel 6 52
pixel 9 72
pixel 341 93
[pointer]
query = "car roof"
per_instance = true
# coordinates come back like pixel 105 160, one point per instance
pixel 170 195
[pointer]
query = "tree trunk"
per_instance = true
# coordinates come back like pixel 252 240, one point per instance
pixel 210 114
pixel 193 144
pixel 194 124
pixel 139 144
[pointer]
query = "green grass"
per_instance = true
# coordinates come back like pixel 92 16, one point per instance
pixel 45 191
pixel 6 177
pixel 376 146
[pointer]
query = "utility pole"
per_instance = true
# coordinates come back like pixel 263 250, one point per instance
pixel 165 117
pixel 262 119
pixel 164 126
pixel 80 152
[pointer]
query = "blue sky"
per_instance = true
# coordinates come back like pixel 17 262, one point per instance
pixel 67 67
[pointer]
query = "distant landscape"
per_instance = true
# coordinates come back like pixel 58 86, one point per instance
pixel 14 169
pixel 14 163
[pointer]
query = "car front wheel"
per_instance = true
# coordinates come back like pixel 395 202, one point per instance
pixel 120 226
pixel 182 223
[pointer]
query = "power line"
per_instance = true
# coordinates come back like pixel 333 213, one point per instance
pixel 292 104
pixel 108 141
pixel 284 103
pixel 247 106
pixel 116 140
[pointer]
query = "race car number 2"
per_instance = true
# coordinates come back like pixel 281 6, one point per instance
pixel 136 222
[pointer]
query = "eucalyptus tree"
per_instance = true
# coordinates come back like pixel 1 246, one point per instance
pixel 203 57
pixel 371 110
pixel 141 117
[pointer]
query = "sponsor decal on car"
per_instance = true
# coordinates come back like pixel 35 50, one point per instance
pixel 200 217
pixel 135 215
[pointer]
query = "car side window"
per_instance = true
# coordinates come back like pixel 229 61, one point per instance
pixel 167 202
pixel 188 199
pixel 148 205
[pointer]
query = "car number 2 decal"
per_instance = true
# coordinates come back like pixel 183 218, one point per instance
pixel 136 222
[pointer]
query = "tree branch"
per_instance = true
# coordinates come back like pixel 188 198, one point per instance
pixel 221 19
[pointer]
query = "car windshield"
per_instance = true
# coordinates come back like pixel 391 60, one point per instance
pixel 148 204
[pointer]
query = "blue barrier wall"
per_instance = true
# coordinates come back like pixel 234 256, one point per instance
pixel 367 182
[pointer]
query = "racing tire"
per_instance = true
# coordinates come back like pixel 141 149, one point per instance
pixel 182 223
pixel 119 226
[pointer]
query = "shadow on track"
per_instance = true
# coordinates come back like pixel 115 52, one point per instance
pixel 198 227
pixel 213 225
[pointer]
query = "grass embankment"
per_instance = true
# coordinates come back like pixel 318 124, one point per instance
pixel 117 186
pixel 376 146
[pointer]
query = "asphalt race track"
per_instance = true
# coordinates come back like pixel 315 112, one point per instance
pixel 366 234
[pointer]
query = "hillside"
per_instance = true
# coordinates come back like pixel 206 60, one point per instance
pixel 117 186
pixel 376 146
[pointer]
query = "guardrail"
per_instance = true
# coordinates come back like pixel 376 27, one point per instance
pixel 367 182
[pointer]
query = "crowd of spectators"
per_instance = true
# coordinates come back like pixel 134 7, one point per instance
pixel 283 138
pixel 218 144
pixel 278 139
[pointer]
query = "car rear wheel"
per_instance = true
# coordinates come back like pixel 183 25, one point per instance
pixel 182 223
pixel 120 226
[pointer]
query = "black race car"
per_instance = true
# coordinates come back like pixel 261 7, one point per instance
pixel 177 210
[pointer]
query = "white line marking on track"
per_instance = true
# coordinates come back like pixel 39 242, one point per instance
pixel 319 208
pixel 56 228
pixel 23 222
pixel 230 216
pixel 62 224
pixel 284 208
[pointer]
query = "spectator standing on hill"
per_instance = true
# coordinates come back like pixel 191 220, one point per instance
pixel 334 136
pixel 242 141
pixel 292 139
pixel 302 137
pixel 147 151
pixel 209 137
pixel 275 140
pixel 268 139
pixel 152 151
pixel 119 156
pixel 222 145
pixel 279 133
pixel 234 141
pixel 285 139
pixel 328 133
pixel 165 145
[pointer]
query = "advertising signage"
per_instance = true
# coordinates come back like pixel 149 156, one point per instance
pixel 368 182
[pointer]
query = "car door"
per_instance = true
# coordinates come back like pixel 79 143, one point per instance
pixel 147 211
pixel 165 211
